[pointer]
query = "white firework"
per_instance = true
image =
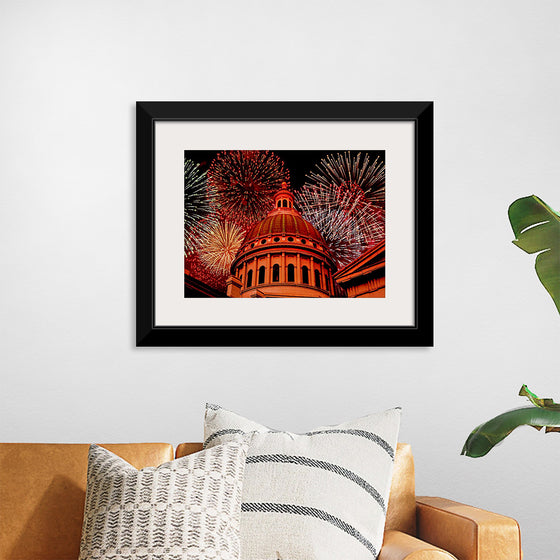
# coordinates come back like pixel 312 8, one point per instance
pixel 345 218
pixel 198 204
pixel 356 170
pixel 219 243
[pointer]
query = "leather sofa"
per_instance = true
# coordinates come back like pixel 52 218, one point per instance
pixel 42 492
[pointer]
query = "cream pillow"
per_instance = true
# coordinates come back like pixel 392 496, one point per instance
pixel 321 495
pixel 187 509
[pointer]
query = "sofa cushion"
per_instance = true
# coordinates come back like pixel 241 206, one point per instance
pixel 322 494
pixel 42 492
pixel 401 510
pixel 187 509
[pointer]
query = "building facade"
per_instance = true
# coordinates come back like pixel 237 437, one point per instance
pixel 365 277
pixel 282 256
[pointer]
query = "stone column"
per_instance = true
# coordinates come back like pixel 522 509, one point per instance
pixel 268 272
pixel 311 272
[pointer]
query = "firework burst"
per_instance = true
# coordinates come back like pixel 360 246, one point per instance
pixel 356 171
pixel 345 218
pixel 220 242
pixel 197 269
pixel 245 182
pixel 199 200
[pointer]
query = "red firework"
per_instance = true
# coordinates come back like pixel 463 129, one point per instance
pixel 197 269
pixel 245 182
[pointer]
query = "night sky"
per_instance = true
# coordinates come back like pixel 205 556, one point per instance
pixel 298 162
pixel 208 268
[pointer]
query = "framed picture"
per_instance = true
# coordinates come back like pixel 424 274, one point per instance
pixel 284 224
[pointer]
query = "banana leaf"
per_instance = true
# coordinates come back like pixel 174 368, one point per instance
pixel 537 401
pixel 544 413
pixel 536 227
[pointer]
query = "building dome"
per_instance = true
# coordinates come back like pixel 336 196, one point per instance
pixel 283 223
pixel 282 256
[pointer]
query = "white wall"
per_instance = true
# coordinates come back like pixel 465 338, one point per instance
pixel 71 72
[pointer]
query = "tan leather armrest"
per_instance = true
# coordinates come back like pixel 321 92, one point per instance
pixel 467 532
pixel 400 546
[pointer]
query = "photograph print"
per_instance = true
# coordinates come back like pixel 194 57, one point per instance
pixel 284 224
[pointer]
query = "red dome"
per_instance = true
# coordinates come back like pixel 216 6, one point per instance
pixel 283 223
pixel 282 256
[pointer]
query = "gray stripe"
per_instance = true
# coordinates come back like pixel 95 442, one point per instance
pixel 361 433
pixel 221 433
pixel 312 512
pixel 306 461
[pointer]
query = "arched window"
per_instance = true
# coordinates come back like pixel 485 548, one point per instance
pixel 326 282
pixel 261 275
pixel 305 275
pixel 279 203
pixel 317 279
pixel 276 273
pixel 249 278
pixel 284 203
pixel 291 273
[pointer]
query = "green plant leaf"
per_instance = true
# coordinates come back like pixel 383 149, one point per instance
pixel 537 401
pixel 483 438
pixel 536 227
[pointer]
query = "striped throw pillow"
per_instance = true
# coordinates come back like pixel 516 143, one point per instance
pixel 316 496
pixel 187 509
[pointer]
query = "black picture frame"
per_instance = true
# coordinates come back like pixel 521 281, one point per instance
pixel 150 334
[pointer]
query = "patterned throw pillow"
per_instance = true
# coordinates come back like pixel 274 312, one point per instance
pixel 321 495
pixel 187 509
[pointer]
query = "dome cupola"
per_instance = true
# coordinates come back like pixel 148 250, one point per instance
pixel 284 198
